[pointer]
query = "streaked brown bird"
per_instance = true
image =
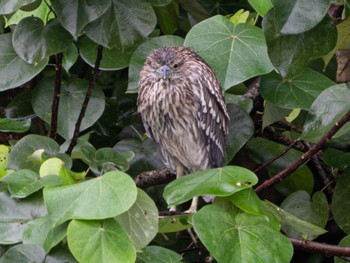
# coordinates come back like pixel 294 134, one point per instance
pixel 183 110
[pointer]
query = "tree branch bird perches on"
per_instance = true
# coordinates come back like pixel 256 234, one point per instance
pixel 183 111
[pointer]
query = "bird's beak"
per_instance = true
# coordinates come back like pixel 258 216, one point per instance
pixel 164 71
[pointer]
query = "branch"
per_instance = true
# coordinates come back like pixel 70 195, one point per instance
pixel 306 156
pixel 56 96
pixel 86 100
pixel 327 249
pixel 156 177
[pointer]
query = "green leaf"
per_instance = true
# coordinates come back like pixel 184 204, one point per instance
pixel 345 242
pixel 55 166
pixel 7 7
pixel 262 7
pixel 326 110
pixel 41 232
pixel 4 159
pixel 71 100
pixel 273 113
pixel 140 221
pixel 12 125
pixel 112 58
pixel 100 241
pixel 220 182
pixel 60 254
pixel 341 207
pixel 141 53
pixel 154 254
pixel 314 211
pixel 294 17
pixel 336 158
pixel 106 196
pixel 290 54
pixel 26 147
pixel 124 23
pixel 290 221
pixel 75 15
pixel 240 238
pixel 25 182
pixel 235 52
pixel 15 215
pixel 20 106
pixel 14 70
pixel 168 17
pixel 70 56
pixel 175 223
pixel 23 253
pixel 241 129
pixel 298 91
pixel 159 2
pixel 34 42
pixel 109 159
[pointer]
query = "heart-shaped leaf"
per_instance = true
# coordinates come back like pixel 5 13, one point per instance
pixel 75 15
pixel 141 53
pixel 71 100
pixel 124 23
pixel 235 52
pixel 14 71
pixel 141 220
pixel 262 7
pixel 341 209
pixel 100 241
pixel 23 253
pixel 115 190
pixel 298 91
pixel 220 182
pixel 240 237
pixel 8 7
pixel 326 110
pixel 34 42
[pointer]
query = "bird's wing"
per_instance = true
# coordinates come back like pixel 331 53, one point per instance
pixel 212 117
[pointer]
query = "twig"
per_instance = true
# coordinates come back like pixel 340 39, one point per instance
pixel 86 100
pixel 306 156
pixel 56 96
pixel 327 249
pixel 156 177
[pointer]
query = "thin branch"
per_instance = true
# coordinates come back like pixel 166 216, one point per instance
pixel 327 249
pixel 86 100
pixel 156 177
pixel 56 96
pixel 306 156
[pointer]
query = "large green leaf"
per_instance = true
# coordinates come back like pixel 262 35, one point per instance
pixel 336 158
pixel 341 206
pixel 34 42
pixel 7 7
pixel 103 197
pixel 71 100
pixel 23 253
pixel 14 71
pixel 153 254
pixel 75 15
pixel 141 53
pixel 220 182
pixel 235 52
pixel 298 91
pixel 241 128
pixel 12 125
pixel 262 7
pixel 100 241
pixel 291 53
pixel 25 155
pixel 124 23
pixel 15 215
pixel 141 220
pixel 313 210
pixel 294 16
pixel 326 110
pixel 240 237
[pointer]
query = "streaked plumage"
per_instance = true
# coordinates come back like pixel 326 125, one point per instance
pixel 183 109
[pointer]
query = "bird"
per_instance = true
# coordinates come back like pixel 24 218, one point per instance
pixel 183 110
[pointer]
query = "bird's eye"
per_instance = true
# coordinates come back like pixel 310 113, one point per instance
pixel 175 65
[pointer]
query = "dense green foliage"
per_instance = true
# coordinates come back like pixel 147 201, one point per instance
pixel 72 143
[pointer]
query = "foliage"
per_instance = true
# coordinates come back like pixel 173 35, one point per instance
pixel 72 142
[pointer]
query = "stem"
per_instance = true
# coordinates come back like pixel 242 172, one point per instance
pixel 56 96
pixel 306 156
pixel 86 100
pixel 327 249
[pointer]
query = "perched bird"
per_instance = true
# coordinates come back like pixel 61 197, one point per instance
pixel 183 110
